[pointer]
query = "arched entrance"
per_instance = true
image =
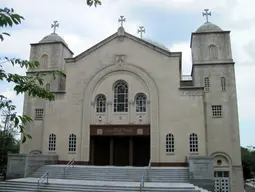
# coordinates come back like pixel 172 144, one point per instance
pixel 222 166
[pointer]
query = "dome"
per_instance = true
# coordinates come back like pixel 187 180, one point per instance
pixel 157 44
pixel 208 27
pixel 53 37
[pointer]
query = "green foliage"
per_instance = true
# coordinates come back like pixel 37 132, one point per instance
pixel 31 85
pixel 93 2
pixel 248 162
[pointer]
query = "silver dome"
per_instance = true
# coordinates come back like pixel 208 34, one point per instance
pixel 157 44
pixel 53 37
pixel 208 27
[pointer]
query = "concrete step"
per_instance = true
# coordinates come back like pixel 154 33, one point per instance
pixel 106 173
pixel 85 186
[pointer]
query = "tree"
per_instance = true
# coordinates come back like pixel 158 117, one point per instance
pixel 32 85
pixel 248 162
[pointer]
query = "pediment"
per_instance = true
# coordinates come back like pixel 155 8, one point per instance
pixel 121 37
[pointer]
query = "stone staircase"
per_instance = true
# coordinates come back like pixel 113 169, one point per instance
pixel 111 173
pixel 104 179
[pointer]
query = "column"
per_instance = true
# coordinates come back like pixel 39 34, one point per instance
pixel 109 111
pixel 92 112
pixel 92 152
pixel 131 111
pixel 131 151
pixel 111 151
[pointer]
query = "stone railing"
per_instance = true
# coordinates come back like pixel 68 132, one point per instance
pixel 250 185
pixel 22 165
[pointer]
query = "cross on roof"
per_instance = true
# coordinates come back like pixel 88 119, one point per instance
pixel 141 30
pixel 54 26
pixel 206 14
pixel 121 20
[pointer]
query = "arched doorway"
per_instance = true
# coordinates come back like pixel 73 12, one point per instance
pixel 221 173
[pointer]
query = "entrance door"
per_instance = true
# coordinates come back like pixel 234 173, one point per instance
pixel 141 150
pixel 101 150
pixel 221 181
pixel 121 151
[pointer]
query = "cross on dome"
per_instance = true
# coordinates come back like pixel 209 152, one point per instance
pixel 206 14
pixel 54 26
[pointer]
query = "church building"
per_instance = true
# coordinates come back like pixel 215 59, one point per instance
pixel 125 102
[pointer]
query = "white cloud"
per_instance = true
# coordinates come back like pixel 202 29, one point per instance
pixel 10 94
pixel 183 47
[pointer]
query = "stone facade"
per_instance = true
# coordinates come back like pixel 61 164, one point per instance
pixel 205 106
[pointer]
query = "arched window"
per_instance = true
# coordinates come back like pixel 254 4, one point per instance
pixel 169 143
pixel 72 143
pixel 193 143
pixel 140 101
pixel 121 96
pixel 52 142
pixel 223 83
pixel 100 103
pixel 207 84
pixel 47 87
pixel 213 52
pixel 44 61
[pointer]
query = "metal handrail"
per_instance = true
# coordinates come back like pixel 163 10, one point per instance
pixel 42 178
pixel 142 182
pixel 148 169
pixel 69 164
pixel 148 174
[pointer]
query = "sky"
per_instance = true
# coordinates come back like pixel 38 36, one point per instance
pixel 169 22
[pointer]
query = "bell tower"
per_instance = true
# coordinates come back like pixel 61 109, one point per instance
pixel 213 68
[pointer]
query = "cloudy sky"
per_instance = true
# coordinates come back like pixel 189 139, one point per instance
pixel 169 22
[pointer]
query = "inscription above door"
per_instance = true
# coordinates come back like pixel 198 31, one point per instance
pixel 119 131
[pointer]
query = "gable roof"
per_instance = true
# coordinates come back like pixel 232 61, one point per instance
pixel 129 36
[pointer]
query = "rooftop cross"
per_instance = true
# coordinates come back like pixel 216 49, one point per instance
pixel 121 20
pixel 141 30
pixel 206 14
pixel 54 26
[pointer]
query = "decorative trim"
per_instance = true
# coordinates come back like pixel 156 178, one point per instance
pixel 119 59
pixel 169 164
pixel 191 93
pixel 75 162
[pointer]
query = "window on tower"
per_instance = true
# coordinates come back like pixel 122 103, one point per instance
pixel 193 143
pixel 100 103
pixel 52 142
pixel 140 101
pixel 169 143
pixel 223 83
pixel 121 96
pixel 207 84
pixel 44 61
pixel 213 52
pixel 216 110
pixel 38 114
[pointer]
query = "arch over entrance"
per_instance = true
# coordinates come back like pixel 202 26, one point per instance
pixel 88 101
pixel 222 171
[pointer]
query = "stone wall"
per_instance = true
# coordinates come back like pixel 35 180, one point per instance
pixel 22 165
pixel 201 171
